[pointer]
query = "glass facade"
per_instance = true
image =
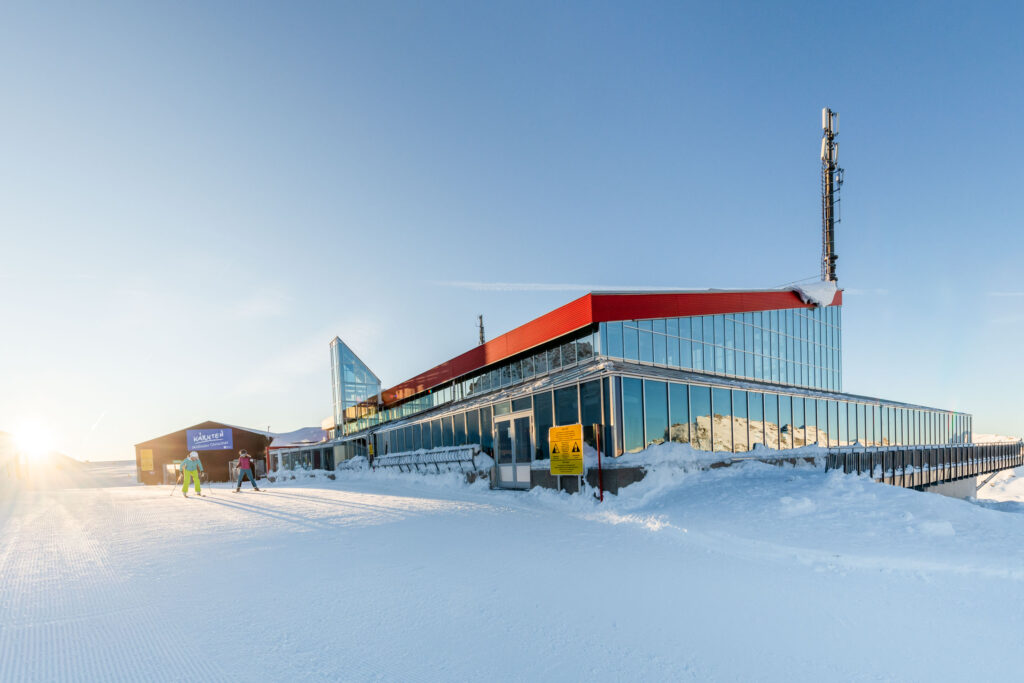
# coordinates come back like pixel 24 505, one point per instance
pixel 733 420
pixel 352 382
pixel 798 346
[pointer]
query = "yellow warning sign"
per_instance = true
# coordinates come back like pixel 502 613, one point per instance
pixel 146 459
pixel 566 446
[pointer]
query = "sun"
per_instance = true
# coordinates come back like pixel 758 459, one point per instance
pixel 32 440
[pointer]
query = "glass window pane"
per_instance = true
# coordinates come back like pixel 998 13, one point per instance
pixel 486 432
pixel 799 436
pixel 554 359
pixel 660 349
pixel 540 362
pixel 833 423
pixel 633 414
pixel 721 402
pixel 503 408
pixel 590 402
pixel 590 409
pixel 771 420
pixel 679 413
pixel 876 426
pixel 700 417
pixel 584 348
pixel 656 411
pixel 521 404
pixel 426 440
pixel 844 432
pixel 472 427
pixel 671 350
pixel 822 423
pixel 543 420
pixel 460 429
pixel 568 353
pixel 435 433
pixel 527 367
pixel 810 417
pixel 448 432
pixel 614 340
pixel 862 431
pixel 785 422
pixel 646 346
pixel 567 406
pixel 740 440
pixel 631 340
pixel 755 417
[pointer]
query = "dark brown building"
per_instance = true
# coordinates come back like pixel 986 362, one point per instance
pixel 216 443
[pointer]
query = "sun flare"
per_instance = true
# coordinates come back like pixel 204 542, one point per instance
pixel 33 440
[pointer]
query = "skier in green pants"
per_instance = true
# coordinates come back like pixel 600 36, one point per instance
pixel 190 469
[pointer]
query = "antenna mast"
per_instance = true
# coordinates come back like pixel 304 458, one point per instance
pixel 831 182
pixel 480 319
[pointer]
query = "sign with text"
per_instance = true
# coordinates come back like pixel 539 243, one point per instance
pixel 565 445
pixel 209 439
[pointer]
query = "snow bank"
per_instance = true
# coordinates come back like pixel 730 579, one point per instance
pixel 685 456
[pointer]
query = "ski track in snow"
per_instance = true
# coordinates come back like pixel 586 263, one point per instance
pixel 750 572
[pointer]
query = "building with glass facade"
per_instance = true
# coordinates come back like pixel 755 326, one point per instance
pixel 722 371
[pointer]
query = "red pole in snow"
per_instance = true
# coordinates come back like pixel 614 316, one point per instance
pixel 600 474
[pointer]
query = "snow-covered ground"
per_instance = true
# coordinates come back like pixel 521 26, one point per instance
pixel 752 572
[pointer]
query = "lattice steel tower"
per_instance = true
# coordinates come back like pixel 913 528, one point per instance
pixel 831 182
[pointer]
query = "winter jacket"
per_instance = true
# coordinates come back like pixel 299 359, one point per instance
pixel 191 465
pixel 244 463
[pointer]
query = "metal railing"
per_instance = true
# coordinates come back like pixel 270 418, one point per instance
pixel 462 457
pixel 919 466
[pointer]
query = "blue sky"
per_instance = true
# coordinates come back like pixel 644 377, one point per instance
pixel 195 198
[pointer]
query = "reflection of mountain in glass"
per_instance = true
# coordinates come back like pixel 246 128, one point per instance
pixel 739 435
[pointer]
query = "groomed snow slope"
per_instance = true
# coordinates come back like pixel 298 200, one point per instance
pixel 750 572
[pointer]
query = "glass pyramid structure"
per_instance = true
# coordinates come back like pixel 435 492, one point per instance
pixel 351 381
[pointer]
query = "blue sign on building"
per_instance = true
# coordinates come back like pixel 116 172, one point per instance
pixel 209 439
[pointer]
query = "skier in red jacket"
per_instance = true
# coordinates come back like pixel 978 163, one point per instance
pixel 245 469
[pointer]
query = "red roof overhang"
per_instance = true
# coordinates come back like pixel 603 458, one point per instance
pixel 595 308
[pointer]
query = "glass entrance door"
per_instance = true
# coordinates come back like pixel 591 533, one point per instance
pixel 513 451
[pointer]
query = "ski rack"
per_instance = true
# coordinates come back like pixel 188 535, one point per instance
pixel 463 457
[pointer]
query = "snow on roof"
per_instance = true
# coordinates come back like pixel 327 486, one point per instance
pixel 818 293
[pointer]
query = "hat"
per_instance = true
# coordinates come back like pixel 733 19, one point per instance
pixel 243 452
pixel 193 454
